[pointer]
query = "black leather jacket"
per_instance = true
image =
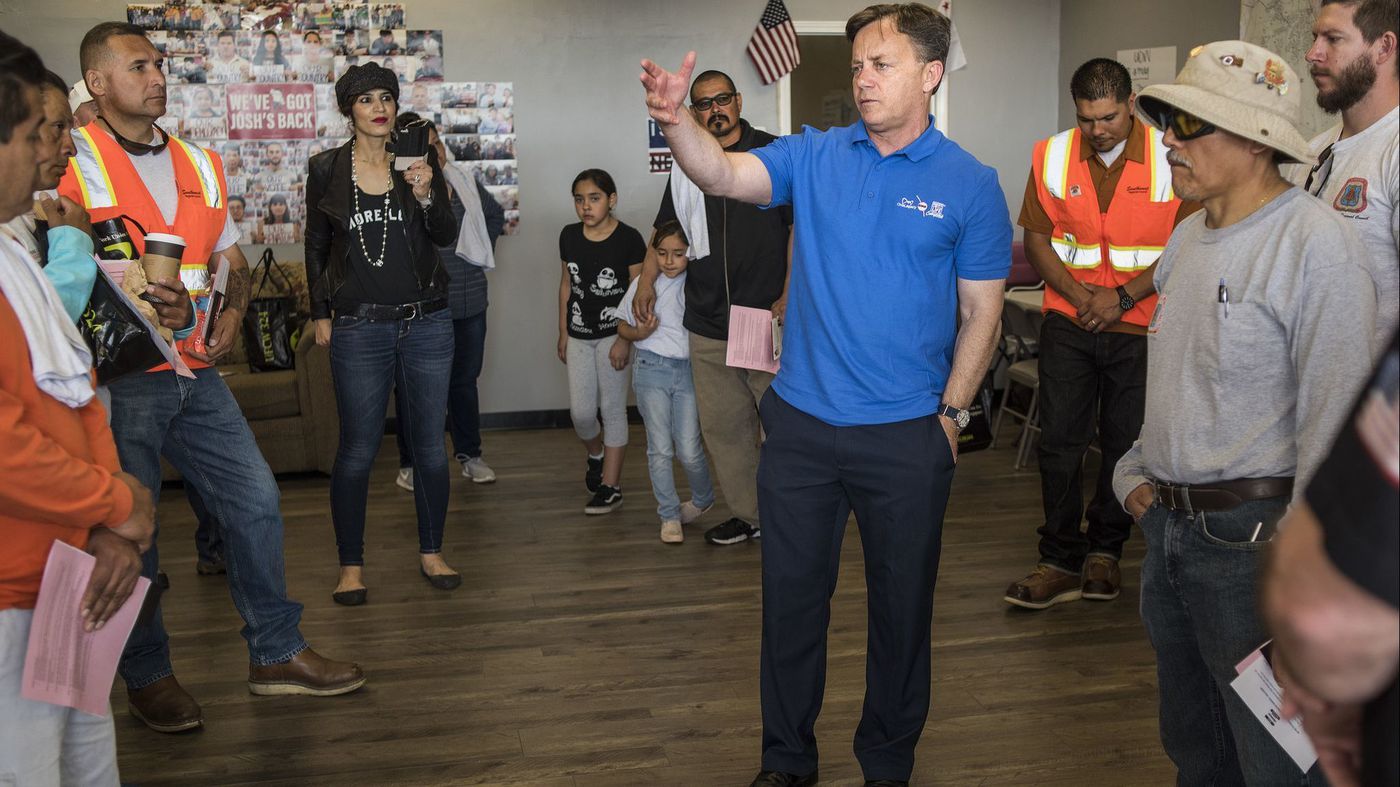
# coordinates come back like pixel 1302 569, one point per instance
pixel 328 232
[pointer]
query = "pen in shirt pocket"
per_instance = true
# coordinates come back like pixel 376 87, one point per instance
pixel 1223 295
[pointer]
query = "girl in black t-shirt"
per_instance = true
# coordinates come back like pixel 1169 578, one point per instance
pixel 379 299
pixel 600 256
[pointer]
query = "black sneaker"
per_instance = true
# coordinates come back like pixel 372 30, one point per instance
pixel 731 531
pixel 593 479
pixel 605 500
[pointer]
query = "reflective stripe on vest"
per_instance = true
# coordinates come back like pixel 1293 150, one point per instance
pixel 1161 176
pixel 1132 258
pixel 204 167
pixel 1055 171
pixel 91 172
pixel 1074 254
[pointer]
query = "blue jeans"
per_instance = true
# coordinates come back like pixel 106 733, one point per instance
pixel 666 398
pixel 208 544
pixel 463 401
pixel 197 426
pixel 1198 603
pixel 368 357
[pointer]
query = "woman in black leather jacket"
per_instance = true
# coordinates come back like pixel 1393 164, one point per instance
pixel 379 301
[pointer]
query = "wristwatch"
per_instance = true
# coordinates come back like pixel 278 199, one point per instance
pixel 1126 302
pixel 960 418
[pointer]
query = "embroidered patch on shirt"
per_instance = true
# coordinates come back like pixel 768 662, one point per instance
pixel 1352 196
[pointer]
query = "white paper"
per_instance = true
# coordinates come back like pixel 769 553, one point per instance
pixel 1259 689
pixel 1152 66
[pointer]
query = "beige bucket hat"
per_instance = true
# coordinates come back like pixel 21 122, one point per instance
pixel 1240 87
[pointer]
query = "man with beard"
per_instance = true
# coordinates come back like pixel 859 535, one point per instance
pixel 1356 68
pixel 746 266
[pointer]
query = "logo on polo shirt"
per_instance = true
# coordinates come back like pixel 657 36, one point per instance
pixel 933 210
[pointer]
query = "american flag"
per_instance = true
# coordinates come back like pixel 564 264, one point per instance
pixel 773 46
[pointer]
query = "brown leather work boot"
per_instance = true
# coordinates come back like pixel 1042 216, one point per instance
pixel 307 673
pixel 1043 587
pixel 165 706
pixel 1101 578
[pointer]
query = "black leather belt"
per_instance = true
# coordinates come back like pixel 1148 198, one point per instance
pixel 407 311
pixel 1220 495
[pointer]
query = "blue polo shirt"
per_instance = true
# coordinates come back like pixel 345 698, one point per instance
pixel 880 244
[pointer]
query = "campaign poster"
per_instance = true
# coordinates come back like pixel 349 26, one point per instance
pixel 204 112
pixel 279 111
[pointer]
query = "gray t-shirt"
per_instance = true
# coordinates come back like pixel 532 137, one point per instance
pixel 1363 186
pixel 1258 387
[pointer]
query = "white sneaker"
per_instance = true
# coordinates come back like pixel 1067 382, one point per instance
pixel 478 471
pixel 405 479
pixel 691 512
pixel 671 532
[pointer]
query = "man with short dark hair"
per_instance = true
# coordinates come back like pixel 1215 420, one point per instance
pixel 127 167
pixel 61 479
pixel 1262 332
pixel 1097 212
pixel 902 245
pixel 1356 67
pixel 746 265
pixel 225 64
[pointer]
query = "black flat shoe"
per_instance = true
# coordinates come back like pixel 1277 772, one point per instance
pixel 442 581
pixel 350 598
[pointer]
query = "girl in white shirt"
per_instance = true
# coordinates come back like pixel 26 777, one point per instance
pixel 665 394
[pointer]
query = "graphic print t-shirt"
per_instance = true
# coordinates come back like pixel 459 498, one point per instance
pixel 598 277
pixel 368 278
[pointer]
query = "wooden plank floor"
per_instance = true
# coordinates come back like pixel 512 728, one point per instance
pixel 583 652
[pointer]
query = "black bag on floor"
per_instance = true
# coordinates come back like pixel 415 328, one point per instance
pixel 116 334
pixel 978 434
pixel 271 322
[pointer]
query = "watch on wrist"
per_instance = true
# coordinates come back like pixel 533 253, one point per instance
pixel 1126 302
pixel 960 418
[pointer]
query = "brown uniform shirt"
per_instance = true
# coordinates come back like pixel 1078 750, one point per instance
pixel 1035 219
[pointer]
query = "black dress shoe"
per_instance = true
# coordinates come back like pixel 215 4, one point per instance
pixel 781 779
pixel 442 581
pixel 350 598
pixel 885 783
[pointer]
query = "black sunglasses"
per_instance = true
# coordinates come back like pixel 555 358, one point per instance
pixel 138 148
pixel 1184 124
pixel 1321 171
pixel 722 99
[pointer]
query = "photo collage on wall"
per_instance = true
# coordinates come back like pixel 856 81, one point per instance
pixel 255 82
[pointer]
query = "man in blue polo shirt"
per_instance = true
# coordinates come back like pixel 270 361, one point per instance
pixel 902 243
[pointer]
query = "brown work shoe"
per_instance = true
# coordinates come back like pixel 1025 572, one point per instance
pixel 307 673
pixel 165 706
pixel 1043 587
pixel 1101 578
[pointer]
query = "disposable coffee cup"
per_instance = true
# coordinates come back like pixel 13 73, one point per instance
pixel 162 259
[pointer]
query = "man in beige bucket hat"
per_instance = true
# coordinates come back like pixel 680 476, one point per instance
pixel 1261 335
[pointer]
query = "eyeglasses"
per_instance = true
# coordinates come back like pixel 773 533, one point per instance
pixel 138 148
pixel 704 104
pixel 1321 171
pixel 1184 124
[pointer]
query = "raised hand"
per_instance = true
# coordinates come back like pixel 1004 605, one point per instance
pixel 666 92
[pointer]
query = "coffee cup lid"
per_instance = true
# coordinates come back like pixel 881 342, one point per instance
pixel 161 237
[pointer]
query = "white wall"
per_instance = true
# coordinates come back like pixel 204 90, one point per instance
pixel 579 104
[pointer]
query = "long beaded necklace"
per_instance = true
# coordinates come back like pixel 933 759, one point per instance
pixel 388 206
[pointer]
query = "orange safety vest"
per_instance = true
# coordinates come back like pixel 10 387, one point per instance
pixel 103 180
pixel 1130 236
